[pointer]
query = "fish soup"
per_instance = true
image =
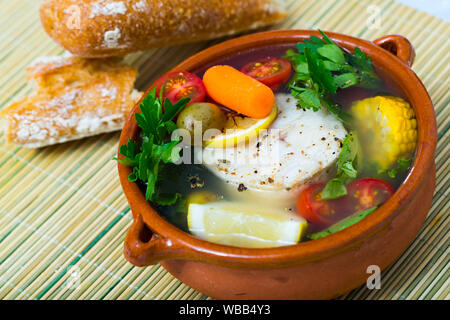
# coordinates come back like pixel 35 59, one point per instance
pixel 293 143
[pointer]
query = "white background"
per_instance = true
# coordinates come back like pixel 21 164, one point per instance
pixel 437 8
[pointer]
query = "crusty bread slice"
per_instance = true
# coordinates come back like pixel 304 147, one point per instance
pixel 75 98
pixel 106 28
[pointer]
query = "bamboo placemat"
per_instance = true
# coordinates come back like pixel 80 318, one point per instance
pixel 63 216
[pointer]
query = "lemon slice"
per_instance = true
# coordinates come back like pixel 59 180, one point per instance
pixel 240 129
pixel 244 225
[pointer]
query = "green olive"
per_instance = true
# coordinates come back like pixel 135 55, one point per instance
pixel 210 115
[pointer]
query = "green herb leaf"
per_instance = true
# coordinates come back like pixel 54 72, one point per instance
pixel 332 66
pixel 134 176
pixel 130 151
pixel 169 152
pixel 346 168
pixel 326 38
pixel 345 80
pixel 170 126
pixel 347 156
pixel 151 177
pixel 322 66
pixel 367 78
pixel 319 73
pixel 170 110
pixel 167 199
pixel 401 166
pixel 332 52
pixel 360 60
pixel 313 43
pixel 338 112
pixel 308 97
pixel 156 149
pixel 335 188
pixel 341 225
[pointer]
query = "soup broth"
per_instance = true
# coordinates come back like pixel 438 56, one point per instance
pixel 196 179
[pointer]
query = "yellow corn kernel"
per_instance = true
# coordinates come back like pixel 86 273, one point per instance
pixel 387 128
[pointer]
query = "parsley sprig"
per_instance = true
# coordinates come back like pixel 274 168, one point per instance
pixel 402 165
pixel 347 168
pixel 156 150
pixel 322 67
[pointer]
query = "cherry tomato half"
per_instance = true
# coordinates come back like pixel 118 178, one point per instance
pixel 179 85
pixel 271 71
pixel 366 193
pixel 361 195
pixel 320 212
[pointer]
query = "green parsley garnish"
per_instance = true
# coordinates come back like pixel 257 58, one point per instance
pixel 343 224
pixel 322 67
pixel 347 165
pixel 156 150
pixel 401 166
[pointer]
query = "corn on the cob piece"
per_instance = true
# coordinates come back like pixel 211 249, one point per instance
pixel 387 128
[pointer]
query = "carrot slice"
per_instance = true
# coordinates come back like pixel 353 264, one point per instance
pixel 239 92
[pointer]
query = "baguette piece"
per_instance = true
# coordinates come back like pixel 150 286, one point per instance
pixel 105 28
pixel 75 98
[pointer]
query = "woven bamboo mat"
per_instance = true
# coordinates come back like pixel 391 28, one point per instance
pixel 63 216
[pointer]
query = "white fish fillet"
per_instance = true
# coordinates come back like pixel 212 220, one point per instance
pixel 300 147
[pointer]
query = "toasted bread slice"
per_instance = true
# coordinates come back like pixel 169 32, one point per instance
pixel 75 98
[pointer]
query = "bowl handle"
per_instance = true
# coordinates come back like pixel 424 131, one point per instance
pixel 142 247
pixel 399 46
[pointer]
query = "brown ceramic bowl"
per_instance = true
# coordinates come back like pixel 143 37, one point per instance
pixel 318 269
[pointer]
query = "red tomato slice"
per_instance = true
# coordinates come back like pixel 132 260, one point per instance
pixel 179 85
pixel 366 193
pixel 320 212
pixel 271 71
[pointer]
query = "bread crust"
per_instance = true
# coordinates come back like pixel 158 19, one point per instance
pixel 105 28
pixel 75 98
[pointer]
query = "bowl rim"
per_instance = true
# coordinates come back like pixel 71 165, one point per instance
pixel 193 248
